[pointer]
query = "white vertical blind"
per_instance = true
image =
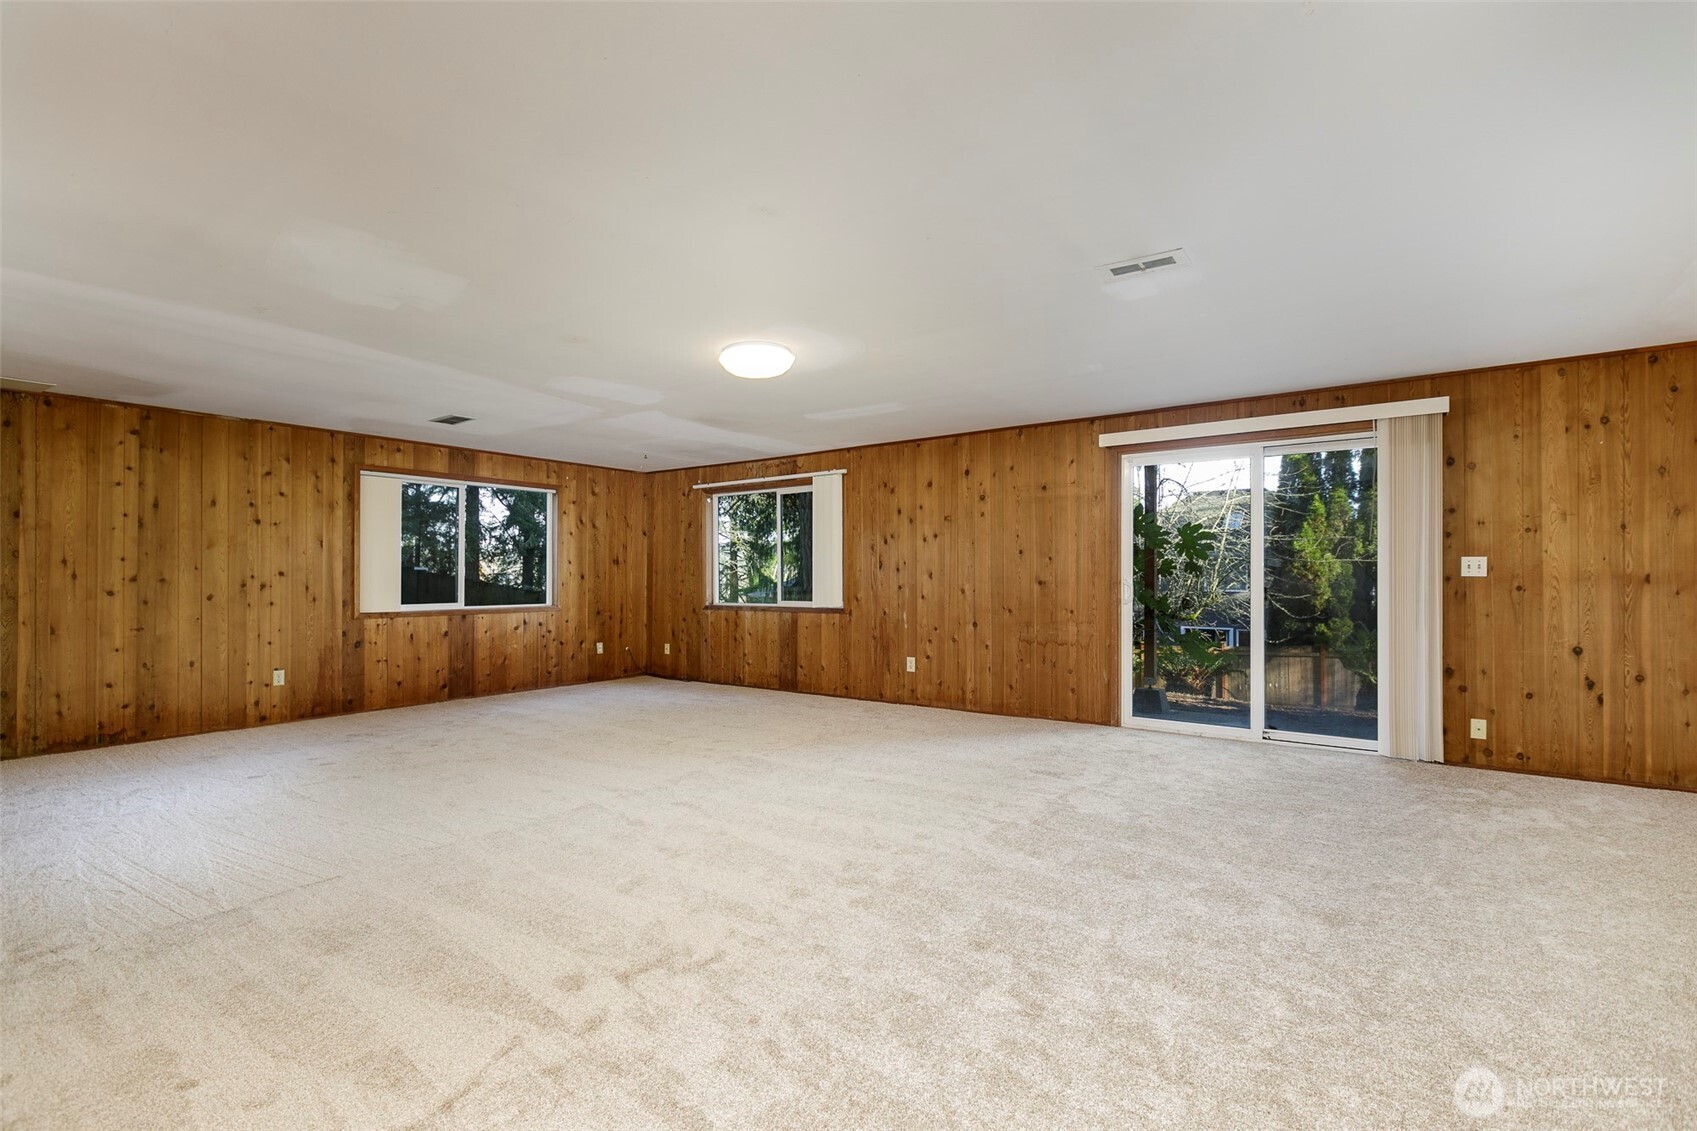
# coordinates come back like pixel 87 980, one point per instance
pixel 1411 553
pixel 828 541
pixel 379 543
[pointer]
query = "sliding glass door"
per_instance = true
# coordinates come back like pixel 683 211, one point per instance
pixel 1250 591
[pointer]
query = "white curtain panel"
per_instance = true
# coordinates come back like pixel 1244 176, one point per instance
pixel 1411 537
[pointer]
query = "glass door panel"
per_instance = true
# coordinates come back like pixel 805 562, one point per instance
pixel 1191 606
pixel 1321 593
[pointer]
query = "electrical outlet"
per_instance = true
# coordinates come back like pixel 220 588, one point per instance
pixel 598 647
pixel 1476 728
pixel 1473 567
pixel 666 649
pixel 912 666
pixel 276 677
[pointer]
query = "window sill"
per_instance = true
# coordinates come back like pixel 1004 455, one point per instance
pixel 473 610
pixel 724 607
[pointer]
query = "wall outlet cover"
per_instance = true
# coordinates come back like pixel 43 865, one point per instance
pixel 911 664
pixel 598 647
pixel 666 649
pixel 276 677
pixel 1476 728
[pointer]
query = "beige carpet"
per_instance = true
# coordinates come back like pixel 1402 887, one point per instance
pixel 673 905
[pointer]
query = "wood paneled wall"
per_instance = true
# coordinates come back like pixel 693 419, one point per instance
pixel 993 559
pixel 988 557
pixel 157 565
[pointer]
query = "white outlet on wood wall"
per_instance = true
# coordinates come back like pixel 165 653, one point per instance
pixel 1476 728
pixel 276 677
pixel 598 647
pixel 911 664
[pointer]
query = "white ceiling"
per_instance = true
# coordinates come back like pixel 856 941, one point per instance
pixel 550 217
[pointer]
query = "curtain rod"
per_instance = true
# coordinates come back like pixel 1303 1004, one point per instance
pixel 771 478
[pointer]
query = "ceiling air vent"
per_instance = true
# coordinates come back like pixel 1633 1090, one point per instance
pixel 1147 263
pixel 449 419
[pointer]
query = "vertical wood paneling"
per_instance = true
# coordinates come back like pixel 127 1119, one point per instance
pixel 1671 571
pixel 65 551
pixel 220 526
pixel 186 518
pixel 993 558
pixel 1551 670
pixel 247 600
pixel 117 554
pixel 352 626
pixel 17 576
pixel 158 565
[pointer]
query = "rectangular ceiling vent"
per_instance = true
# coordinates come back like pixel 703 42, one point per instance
pixel 449 419
pixel 1145 263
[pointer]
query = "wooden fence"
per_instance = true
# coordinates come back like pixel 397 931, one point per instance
pixel 1299 677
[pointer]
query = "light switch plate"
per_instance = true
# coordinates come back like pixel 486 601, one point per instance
pixel 1476 728
pixel 1473 567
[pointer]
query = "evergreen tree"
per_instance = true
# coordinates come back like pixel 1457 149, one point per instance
pixel 1322 561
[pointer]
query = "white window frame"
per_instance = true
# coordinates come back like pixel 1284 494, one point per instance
pixel 461 485
pixel 778 516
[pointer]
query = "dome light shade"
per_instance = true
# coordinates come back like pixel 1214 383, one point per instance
pixel 756 360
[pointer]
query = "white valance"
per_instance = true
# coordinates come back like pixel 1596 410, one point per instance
pixel 769 479
pixel 1389 410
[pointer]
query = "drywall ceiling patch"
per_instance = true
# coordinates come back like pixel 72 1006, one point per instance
pixel 884 409
pixel 84 331
pixel 18 386
pixel 606 390
pixel 664 427
pixel 360 269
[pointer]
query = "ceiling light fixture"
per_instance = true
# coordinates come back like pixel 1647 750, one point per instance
pixel 756 360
